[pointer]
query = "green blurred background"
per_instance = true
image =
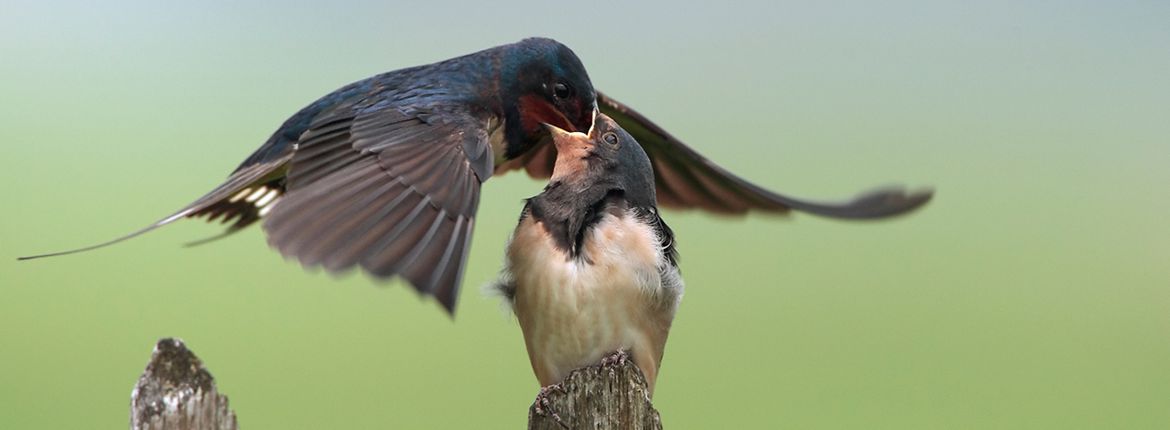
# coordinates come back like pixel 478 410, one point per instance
pixel 1033 292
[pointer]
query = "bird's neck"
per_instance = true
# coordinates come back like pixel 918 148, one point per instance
pixel 568 212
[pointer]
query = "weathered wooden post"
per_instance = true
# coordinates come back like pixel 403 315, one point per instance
pixel 177 393
pixel 604 396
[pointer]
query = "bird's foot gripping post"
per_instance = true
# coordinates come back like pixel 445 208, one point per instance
pixel 542 406
pixel 616 359
pixel 610 395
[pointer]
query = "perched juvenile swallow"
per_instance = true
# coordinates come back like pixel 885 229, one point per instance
pixel 384 173
pixel 591 268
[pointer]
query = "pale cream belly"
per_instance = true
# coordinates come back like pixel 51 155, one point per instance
pixel 575 311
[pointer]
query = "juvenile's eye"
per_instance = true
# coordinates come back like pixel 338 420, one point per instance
pixel 562 90
pixel 610 138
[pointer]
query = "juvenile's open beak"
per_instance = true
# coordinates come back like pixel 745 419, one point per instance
pixel 573 148
pixel 554 131
pixel 563 139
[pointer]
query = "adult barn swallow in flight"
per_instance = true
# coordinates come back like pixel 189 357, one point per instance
pixel 591 268
pixel 384 173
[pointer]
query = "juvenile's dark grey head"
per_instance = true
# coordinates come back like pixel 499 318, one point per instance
pixel 607 159
pixel 604 171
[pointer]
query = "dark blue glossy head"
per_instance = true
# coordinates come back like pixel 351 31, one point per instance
pixel 543 82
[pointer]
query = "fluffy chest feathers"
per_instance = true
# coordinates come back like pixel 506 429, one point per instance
pixel 619 253
pixel 619 292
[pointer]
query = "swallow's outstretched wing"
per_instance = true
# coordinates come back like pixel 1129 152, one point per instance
pixel 390 191
pixel 686 179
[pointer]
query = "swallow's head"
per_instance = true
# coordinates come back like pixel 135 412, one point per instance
pixel 543 82
pixel 607 157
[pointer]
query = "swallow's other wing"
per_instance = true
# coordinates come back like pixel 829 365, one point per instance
pixel 392 192
pixel 686 179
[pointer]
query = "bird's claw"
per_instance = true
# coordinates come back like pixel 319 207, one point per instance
pixel 543 406
pixel 617 358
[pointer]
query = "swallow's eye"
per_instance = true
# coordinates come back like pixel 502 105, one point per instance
pixel 562 90
pixel 611 139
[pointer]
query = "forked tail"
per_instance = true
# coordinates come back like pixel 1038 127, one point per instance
pixel 247 195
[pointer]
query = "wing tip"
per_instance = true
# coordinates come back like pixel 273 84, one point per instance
pixel 888 202
pixel 876 204
pixel 448 306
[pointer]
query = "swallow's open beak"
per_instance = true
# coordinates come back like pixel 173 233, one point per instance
pixel 593 119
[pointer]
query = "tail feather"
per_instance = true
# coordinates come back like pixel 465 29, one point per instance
pixel 176 216
pixel 246 196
